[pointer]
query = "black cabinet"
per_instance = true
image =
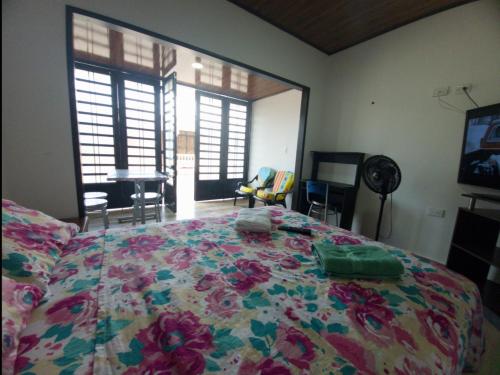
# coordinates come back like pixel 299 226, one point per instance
pixel 474 249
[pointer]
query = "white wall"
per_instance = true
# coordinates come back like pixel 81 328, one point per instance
pixel 274 134
pixel 398 72
pixel 36 131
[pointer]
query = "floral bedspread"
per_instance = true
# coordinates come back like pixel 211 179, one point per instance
pixel 196 297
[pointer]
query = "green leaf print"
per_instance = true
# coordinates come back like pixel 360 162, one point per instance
pixel 75 350
pixel 59 331
pixel 276 289
pixel 225 342
pixel 70 370
pixel 107 329
pixel 134 356
pixel 14 263
pixel 260 329
pixel 207 262
pixel 393 299
pixel 80 285
pixel 164 275
pixel 260 345
pixel 158 297
pixel 254 300
pixel 337 328
pixel 317 325
pixel 211 365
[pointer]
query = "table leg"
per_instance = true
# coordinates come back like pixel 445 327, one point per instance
pixel 137 193
pixel 143 201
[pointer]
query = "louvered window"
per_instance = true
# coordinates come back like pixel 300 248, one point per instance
pixel 94 105
pixel 118 123
pixel 169 130
pixel 210 113
pixel 140 119
pixel 236 141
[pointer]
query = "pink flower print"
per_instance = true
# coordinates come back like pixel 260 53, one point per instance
pixel 299 244
pixel 181 258
pixel 295 346
pixel 174 343
pixel 79 308
pixel 345 240
pixel 222 302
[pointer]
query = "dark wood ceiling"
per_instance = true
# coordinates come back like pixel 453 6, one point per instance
pixel 333 25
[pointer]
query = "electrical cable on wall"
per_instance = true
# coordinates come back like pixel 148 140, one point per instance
pixel 446 105
pixel 470 97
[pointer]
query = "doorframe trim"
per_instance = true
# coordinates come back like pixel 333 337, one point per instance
pixel 70 10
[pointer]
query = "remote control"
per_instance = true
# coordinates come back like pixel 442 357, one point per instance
pixel 287 228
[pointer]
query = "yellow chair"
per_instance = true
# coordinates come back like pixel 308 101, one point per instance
pixel 283 184
pixel 264 179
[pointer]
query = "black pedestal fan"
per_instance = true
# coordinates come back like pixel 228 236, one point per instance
pixel 383 176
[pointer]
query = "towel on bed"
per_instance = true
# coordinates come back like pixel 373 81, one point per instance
pixel 251 220
pixel 357 261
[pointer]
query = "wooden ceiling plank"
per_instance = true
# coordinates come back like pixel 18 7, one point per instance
pixel 333 25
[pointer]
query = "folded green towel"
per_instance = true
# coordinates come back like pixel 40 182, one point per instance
pixel 357 261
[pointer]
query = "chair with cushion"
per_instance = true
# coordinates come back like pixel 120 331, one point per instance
pixel 317 196
pixel 150 198
pixel 283 184
pixel 264 179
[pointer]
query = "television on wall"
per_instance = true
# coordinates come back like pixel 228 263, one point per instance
pixel 480 161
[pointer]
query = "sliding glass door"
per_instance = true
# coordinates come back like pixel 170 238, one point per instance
pixel 221 145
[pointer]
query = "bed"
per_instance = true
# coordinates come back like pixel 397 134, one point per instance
pixel 196 296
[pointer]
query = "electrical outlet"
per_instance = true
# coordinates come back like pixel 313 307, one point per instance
pixel 441 91
pixel 459 89
pixel 437 212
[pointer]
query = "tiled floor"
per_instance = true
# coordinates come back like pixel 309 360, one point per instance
pixel 196 211
pixel 187 208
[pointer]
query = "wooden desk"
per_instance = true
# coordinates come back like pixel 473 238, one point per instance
pixel 341 195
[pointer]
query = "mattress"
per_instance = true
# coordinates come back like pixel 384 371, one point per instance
pixel 196 296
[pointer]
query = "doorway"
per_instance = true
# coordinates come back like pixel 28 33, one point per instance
pixel 220 85
pixel 212 146
pixel 221 159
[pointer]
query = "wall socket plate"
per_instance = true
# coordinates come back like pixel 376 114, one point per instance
pixel 436 212
pixel 459 89
pixel 441 91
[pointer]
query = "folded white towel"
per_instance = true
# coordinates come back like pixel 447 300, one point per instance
pixel 252 220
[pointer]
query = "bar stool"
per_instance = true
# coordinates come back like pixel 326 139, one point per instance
pixel 150 198
pixel 95 195
pixel 317 197
pixel 98 204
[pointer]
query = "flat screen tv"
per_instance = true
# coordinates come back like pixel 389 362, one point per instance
pixel 480 161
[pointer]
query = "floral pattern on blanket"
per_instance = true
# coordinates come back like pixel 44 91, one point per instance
pixel 31 243
pixel 198 297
